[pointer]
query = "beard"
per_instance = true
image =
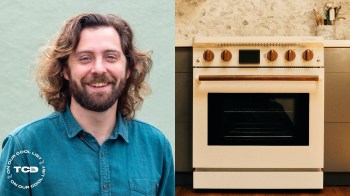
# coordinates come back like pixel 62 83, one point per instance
pixel 97 101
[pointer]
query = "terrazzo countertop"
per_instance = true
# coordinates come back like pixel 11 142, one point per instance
pixel 253 18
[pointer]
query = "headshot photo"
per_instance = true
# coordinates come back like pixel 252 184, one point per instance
pixel 88 98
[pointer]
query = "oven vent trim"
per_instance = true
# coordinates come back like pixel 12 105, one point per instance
pixel 259 45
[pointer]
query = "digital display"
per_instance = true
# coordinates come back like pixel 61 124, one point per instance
pixel 249 56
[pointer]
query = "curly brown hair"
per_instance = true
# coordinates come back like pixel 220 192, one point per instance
pixel 54 88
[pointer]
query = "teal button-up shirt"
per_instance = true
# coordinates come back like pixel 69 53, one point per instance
pixel 55 156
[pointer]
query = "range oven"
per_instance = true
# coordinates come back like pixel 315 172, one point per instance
pixel 258 112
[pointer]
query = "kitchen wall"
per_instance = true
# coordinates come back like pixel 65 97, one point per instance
pixel 250 18
pixel 25 26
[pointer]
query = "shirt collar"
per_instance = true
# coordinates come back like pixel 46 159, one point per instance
pixel 120 128
pixel 73 128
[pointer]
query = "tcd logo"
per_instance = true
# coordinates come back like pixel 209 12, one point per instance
pixel 26 169
pixel 15 170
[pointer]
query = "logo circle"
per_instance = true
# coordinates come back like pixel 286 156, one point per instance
pixel 16 166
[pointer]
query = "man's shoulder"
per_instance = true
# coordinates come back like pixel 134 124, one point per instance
pixel 144 126
pixel 144 129
pixel 34 125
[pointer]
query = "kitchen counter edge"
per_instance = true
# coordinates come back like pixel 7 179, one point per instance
pixel 337 43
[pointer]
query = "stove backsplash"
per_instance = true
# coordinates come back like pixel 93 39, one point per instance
pixel 250 18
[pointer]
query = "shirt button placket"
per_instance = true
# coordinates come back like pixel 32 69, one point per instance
pixel 104 171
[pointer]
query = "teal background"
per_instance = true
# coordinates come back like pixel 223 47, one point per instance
pixel 27 25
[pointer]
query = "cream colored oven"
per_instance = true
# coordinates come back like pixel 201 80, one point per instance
pixel 258 112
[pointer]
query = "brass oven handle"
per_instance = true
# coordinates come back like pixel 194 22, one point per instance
pixel 258 77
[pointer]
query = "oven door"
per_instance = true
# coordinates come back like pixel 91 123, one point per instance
pixel 271 120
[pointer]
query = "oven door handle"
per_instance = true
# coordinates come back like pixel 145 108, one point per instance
pixel 258 77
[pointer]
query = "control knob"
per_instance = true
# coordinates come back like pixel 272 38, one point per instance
pixel 308 55
pixel 289 55
pixel 208 55
pixel 226 55
pixel 272 55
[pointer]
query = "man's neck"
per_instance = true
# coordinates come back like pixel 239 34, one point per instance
pixel 99 124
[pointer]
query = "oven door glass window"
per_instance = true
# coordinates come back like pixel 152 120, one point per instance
pixel 280 119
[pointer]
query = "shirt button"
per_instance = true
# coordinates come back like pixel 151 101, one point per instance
pixel 82 136
pixel 102 154
pixel 105 186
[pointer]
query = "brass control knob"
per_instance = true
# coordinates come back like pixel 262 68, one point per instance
pixel 226 55
pixel 289 55
pixel 308 55
pixel 208 55
pixel 272 55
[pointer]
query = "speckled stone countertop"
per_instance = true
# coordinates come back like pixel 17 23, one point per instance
pixel 252 18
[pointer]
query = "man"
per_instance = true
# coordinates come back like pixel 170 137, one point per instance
pixel 93 76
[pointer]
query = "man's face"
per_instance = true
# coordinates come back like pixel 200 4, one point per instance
pixel 97 69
